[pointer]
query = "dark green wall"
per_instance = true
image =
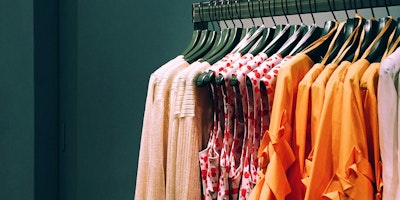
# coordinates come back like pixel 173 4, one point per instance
pixel 17 100
pixel 46 53
pixel 29 99
pixel 108 50
pixel 85 64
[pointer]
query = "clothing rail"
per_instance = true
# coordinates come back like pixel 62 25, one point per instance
pixel 204 12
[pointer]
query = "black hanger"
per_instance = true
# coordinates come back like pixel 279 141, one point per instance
pixel 284 35
pixel 268 33
pixel 328 25
pixel 348 29
pixel 370 28
pixel 205 43
pixel 195 38
pixel 380 46
pixel 396 34
pixel 346 32
pixel 243 50
pixel 198 35
pixel 222 36
pixel 234 37
pixel 397 30
pixel 292 41
pixel 313 33
pixel 288 45
pixel 316 54
pixel 246 48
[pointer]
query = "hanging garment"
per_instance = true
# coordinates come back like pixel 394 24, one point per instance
pixel 196 118
pixel 277 149
pixel 269 81
pixel 280 154
pixel 369 84
pixel 239 168
pixel 347 173
pixel 325 143
pixel 388 123
pixel 176 96
pixel 353 163
pixel 301 132
pixel 229 106
pixel 318 96
pixel 148 182
pixel 209 158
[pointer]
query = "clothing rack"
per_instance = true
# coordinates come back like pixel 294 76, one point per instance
pixel 204 12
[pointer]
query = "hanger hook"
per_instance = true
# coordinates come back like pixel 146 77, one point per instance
pixel 217 19
pixel 200 12
pixel 259 10
pixel 345 9
pixel 311 11
pixel 297 9
pixel 211 13
pixel 221 5
pixel 250 12
pixel 387 8
pixel 284 13
pixel 372 10
pixel 355 5
pixel 272 15
pixel 229 4
pixel 330 7
pixel 239 13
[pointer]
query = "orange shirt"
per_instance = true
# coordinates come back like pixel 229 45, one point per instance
pixel 318 96
pixel 301 134
pixel 325 156
pixel 369 84
pixel 354 165
pixel 281 157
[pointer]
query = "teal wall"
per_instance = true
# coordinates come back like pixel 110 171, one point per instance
pixel 46 84
pixel 29 99
pixel 108 50
pixel 86 64
pixel 17 100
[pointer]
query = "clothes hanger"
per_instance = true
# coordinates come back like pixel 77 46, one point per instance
pixel 371 28
pixel 317 53
pixel 206 42
pixel 208 76
pixel 195 36
pixel 380 42
pixel 282 36
pixel 293 40
pixel 397 34
pixel 397 30
pixel 246 47
pixel 222 36
pixel 233 40
pixel 316 31
pixel 328 25
pixel 267 36
pixel 312 34
pixel 266 39
pixel 349 27
pixel 198 36
pixel 379 47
